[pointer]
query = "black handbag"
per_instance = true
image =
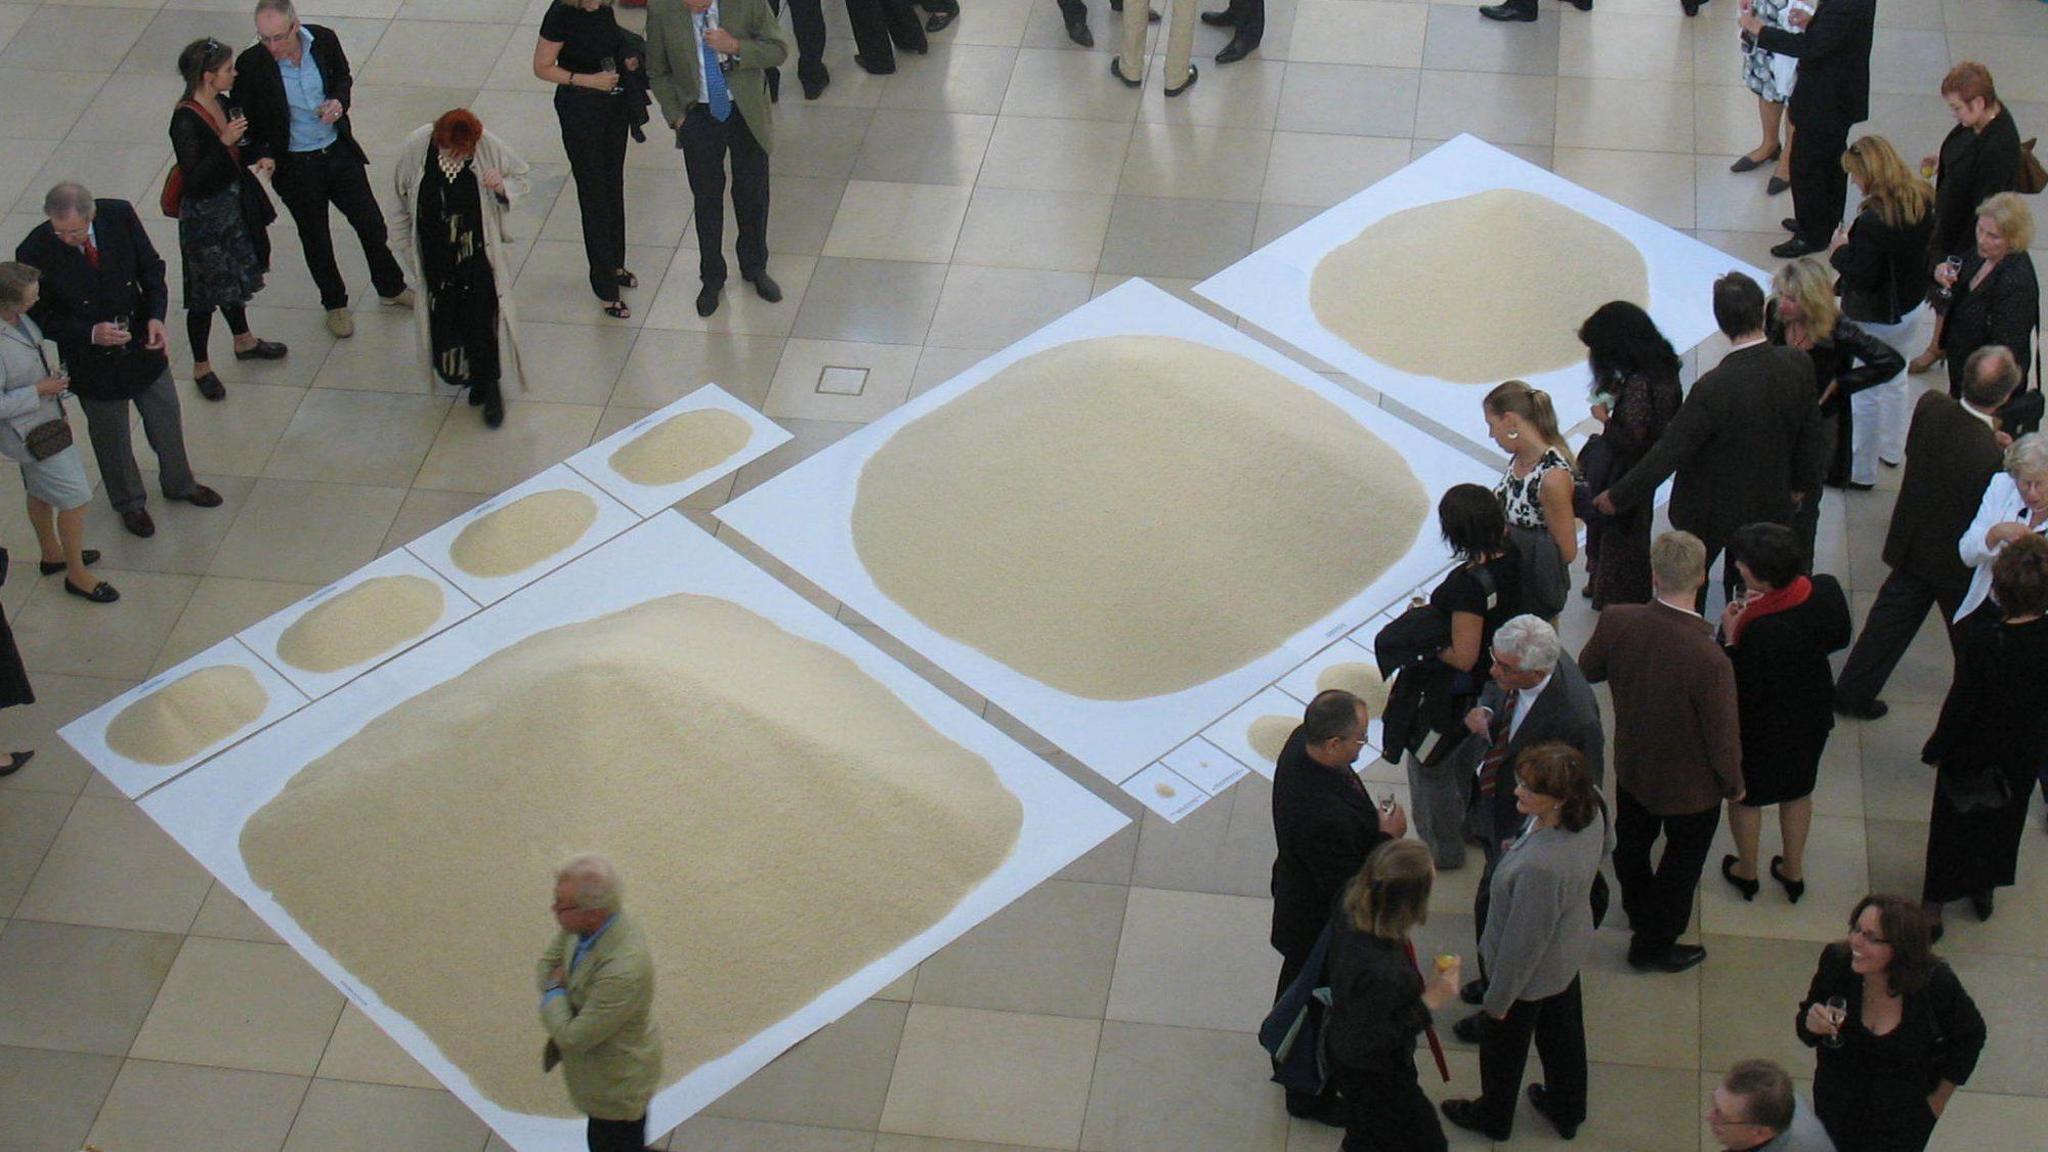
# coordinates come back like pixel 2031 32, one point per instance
pixel 1974 790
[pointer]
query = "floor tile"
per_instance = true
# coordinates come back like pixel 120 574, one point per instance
pixel 44 105
pixel 239 1004
pixel 878 301
pixel 958 77
pixel 1628 46
pixel 1058 83
pixel 1224 847
pixel 991 1076
pixel 424 510
pixel 1194 960
pixel 1195 161
pixel 1626 115
pixel 112 867
pixel 1460 41
pixel 224 916
pixel 837 1077
pixel 48 1099
pixel 29 822
pixel 1503 109
pixel 991 307
pixel 55 37
pixel 923 147
pixel 1181 1089
pixel 1659 185
pixel 1750 990
pixel 337 1117
pixel 894 221
pixel 360 1051
pixel 1049 231
pixel 1052 953
pixel 454 54
pixel 79 989
pixel 59 700
pixel 300 532
pixel 178 1107
pixel 1049 155
pixel 795 390
pixel 1348 98
pixel 1365 32
pixel 1180 238
pixel 703 1133
pixel 665 365
pixel 738 310
pixel 344 437
pixel 1837 876
pixel 471 456
pixel 1306 168
pixel 818 141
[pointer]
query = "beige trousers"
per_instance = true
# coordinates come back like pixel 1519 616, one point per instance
pixel 1180 39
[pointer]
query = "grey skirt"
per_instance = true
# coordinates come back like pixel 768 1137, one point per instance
pixel 59 481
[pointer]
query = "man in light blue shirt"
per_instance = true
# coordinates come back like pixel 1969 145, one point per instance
pixel 1756 1110
pixel 294 86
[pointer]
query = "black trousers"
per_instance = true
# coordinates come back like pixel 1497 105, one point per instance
pixel 1731 580
pixel 807 17
pixel 308 182
pixel 1250 18
pixel 617 1135
pixel 1385 1110
pixel 1659 900
pixel 1895 618
pixel 1558 1025
pixel 879 28
pixel 594 136
pixel 706 143
pixel 1820 186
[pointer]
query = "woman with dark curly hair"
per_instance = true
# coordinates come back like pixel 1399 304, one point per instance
pixel 1635 394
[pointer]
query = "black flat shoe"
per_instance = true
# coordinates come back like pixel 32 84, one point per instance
pixel 1474 992
pixel 1792 249
pixel 1676 958
pixel 939 21
pixel 90 557
pixel 210 387
pixel 1510 14
pixel 100 593
pixel 201 497
pixel 494 409
pixel 707 299
pixel 1862 709
pixel 1194 74
pixel 873 69
pixel 1794 889
pixel 1465 1114
pixel 1469 1029
pixel 1220 18
pixel 814 86
pixel 15 760
pixel 1748 888
pixel 1983 904
pixel 1776 186
pixel 1747 163
pixel 138 523
pixel 764 285
pixel 262 350
pixel 1539 1099
pixel 1116 69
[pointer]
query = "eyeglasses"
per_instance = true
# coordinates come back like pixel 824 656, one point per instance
pixel 1716 1116
pixel 281 37
pixel 1856 930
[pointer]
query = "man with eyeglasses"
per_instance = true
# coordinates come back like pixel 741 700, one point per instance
pixel 294 86
pixel 1755 1110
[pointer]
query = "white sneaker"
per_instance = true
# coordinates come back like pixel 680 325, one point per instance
pixel 341 323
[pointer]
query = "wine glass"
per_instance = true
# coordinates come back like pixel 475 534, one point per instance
pixel 1954 264
pixel 231 110
pixel 1838 1008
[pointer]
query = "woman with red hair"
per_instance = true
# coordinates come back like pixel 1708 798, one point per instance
pixel 456 183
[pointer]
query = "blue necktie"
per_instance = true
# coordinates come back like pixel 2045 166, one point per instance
pixel 714 77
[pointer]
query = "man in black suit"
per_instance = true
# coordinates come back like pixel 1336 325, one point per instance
pixel 1324 825
pixel 1952 452
pixel 103 302
pixel 1536 695
pixel 1746 444
pixel 1525 10
pixel 1832 96
pixel 295 86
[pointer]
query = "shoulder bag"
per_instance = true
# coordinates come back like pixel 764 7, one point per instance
pixel 51 436
pixel 172 200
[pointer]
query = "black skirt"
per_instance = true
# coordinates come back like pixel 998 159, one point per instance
pixel 14 688
pixel 1969 853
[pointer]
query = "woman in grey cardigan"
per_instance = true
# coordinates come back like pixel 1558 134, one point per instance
pixel 1536 937
pixel 58 490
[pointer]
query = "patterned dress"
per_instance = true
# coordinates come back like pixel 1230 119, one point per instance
pixel 1766 73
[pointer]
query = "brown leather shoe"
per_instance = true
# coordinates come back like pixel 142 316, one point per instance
pixel 137 522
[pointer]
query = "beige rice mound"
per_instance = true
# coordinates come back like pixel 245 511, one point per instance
pixel 174 723
pixel 681 446
pixel 361 624
pixel 523 533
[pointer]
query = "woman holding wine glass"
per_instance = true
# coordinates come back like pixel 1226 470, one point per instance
pixel 222 214
pixel 1994 295
pixel 1894 1030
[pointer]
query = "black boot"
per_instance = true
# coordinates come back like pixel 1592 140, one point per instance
pixel 493 405
pixel 1240 46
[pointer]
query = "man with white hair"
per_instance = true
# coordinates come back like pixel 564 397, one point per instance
pixel 1537 695
pixel 597 1004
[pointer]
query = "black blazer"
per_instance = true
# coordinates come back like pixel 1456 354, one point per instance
pixel 260 87
pixel 1951 457
pixel 1834 63
pixel 1746 438
pixel 128 285
pixel 1940 1037
pixel 1883 271
pixel 1567 711
pixel 2005 309
pixel 1323 829
pixel 1376 1008
pixel 1996 712
pixel 1975 166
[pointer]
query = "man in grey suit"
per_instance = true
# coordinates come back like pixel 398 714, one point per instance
pixel 1537 695
pixel 1952 452
pixel 1745 445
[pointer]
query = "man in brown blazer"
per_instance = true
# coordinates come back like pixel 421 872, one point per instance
pixel 1677 750
pixel 1952 452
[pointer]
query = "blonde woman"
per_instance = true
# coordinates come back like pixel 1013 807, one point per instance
pixel 1997 298
pixel 1381 1001
pixel 1535 492
pixel 1881 259
pixel 1802 314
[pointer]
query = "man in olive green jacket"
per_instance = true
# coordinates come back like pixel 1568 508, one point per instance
pixel 706 62
pixel 597 1004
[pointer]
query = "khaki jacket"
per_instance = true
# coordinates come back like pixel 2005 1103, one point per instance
pixel 603 1031
pixel 491 152
pixel 673 67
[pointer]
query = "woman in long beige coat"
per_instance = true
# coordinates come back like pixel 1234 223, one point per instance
pixel 456 183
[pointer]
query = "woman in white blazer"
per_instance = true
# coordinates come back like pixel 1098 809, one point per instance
pixel 456 183
pixel 2015 503
pixel 30 387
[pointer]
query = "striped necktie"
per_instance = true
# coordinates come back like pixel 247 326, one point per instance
pixel 1497 753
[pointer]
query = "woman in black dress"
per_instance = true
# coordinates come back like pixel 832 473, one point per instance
pixel 1778 636
pixel 582 51
pixel 223 216
pixel 1992 736
pixel 1979 158
pixel 1380 1002
pixel 1895 1034
pixel 1996 297
pixel 14 687
pixel 1635 395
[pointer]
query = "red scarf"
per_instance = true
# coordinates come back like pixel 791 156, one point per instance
pixel 1776 600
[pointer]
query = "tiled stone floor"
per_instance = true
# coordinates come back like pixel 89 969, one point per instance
pixel 920 220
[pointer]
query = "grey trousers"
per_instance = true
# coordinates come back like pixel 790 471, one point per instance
pixel 1436 807
pixel 106 421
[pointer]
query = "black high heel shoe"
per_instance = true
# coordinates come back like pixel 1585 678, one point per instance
pixel 1794 889
pixel 1748 888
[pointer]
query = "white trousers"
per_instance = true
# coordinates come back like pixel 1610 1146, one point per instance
pixel 1877 416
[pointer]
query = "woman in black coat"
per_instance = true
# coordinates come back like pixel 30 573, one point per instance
pixel 1992 736
pixel 1778 636
pixel 1979 159
pixel 1996 295
pixel 1895 1034
pixel 1881 258
pixel 223 216
pixel 1380 1002
pixel 1635 395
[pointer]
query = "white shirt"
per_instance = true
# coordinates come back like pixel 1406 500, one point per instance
pixel 698 22
pixel 1989 420
pixel 1526 702
pixel 2002 502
